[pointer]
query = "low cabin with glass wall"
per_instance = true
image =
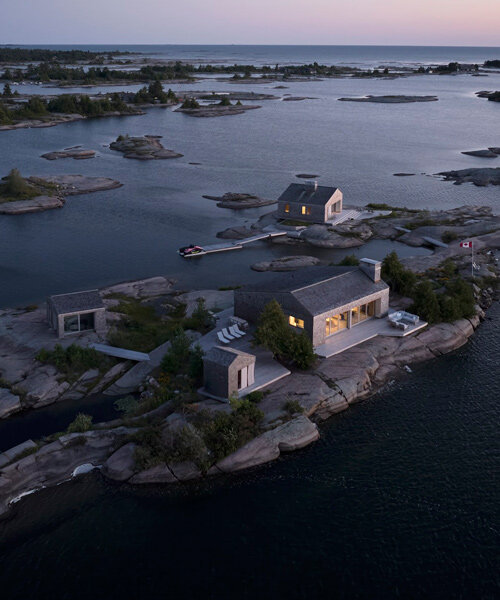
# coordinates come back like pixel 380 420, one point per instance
pixel 323 301
pixel 77 312
pixel 309 202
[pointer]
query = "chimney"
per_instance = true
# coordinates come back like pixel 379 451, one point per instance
pixel 371 268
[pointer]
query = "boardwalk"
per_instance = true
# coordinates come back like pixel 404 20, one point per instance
pixel 238 245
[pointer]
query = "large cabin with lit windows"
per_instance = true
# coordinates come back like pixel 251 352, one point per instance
pixel 323 301
pixel 310 202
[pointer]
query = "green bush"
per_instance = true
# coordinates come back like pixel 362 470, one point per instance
pixel 349 261
pixel 190 103
pixel 448 236
pixel 80 424
pixel 74 360
pixel 400 280
pixel 128 405
pixel 177 356
pixel 227 432
pixel 426 303
pixel 293 407
pixel 255 397
pixel 274 333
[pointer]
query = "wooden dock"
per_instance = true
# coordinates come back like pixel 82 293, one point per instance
pixel 237 245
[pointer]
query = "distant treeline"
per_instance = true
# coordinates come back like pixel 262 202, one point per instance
pixel 65 103
pixel 47 72
pixel 44 54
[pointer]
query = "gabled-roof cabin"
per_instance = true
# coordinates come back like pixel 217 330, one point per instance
pixel 310 202
pixel 322 301
pixel 76 312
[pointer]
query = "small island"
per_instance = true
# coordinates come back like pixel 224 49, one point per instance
pixel 479 177
pixel 399 99
pixel 74 153
pixel 239 201
pixel 193 108
pixel 19 195
pixel 484 153
pixel 147 147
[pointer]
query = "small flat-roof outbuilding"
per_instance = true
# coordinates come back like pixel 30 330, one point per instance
pixel 226 371
pixel 76 312
pixel 310 202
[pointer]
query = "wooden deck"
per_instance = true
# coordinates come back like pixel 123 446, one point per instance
pixel 361 333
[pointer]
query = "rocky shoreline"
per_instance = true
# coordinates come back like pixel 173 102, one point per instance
pixel 292 407
pixel 63 185
pixel 147 147
pixel 239 201
pixel 401 99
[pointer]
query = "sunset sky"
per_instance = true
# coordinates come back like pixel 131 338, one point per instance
pixel 378 22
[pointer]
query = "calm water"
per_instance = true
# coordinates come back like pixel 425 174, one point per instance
pixel 398 499
pixel 134 231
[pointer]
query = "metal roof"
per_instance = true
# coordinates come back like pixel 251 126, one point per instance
pixel 306 193
pixel 225 356
pixel 76 302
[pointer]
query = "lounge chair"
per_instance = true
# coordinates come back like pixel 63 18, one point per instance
pixel 237 330
pixel 227 335
pixel 222 338
pixel 233 331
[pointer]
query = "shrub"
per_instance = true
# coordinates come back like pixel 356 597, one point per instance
pixel 74 360
pixel 201 319
pixel 177 356
pixel 190 103
pixel 186 444
pixel 225 102
pixel 293 407
pixel 255 397
pixel 401 280
pixel 426 303
pixel 349 261
pixel 274 333
pixel 80 424
pixel 448 236
pixel 226 433
pixel 128 405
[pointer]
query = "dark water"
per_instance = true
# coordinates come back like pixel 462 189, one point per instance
pixel 272 54
pixel 134 231
pixel 35 424
pixel 398 499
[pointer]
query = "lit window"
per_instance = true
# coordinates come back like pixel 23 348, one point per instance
pixel 295 322
pixel 306 210
pixel 287 208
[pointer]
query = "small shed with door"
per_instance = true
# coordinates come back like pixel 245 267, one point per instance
pixel 76 312
pixel 227 371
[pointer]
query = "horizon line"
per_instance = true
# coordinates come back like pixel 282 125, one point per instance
pixel 242 45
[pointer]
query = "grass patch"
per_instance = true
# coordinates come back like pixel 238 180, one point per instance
pixel 227 288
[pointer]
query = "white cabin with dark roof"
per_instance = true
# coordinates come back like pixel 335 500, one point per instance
pixel 310 202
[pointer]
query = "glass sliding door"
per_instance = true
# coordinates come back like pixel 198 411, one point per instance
pixel 76 323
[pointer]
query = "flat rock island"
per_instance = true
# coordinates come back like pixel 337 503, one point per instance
pixel 399 99
pixel 147 147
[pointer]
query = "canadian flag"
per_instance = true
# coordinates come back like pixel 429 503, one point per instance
pixel 465 244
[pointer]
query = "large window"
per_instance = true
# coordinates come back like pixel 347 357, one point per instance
pixel 306 210
pixel 295 322
pixel 336 323
pixel 363 312
pixel 76 323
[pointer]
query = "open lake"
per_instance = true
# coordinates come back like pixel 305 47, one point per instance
pixel 134 231
pixel 399 498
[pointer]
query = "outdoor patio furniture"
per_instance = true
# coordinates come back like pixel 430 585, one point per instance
pixel 227 335
pixel 232 331
pixel 409 318
pixel 222 338
pixel 237 330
